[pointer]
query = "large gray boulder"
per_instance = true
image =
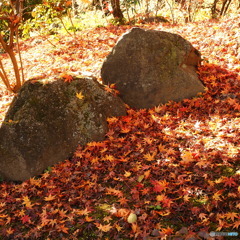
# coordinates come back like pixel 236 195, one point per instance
pixel 151 67
pixel 46 122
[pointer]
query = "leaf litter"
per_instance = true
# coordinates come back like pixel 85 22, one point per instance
pixel 169 171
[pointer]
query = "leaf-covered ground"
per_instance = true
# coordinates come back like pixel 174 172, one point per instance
pixel 169 171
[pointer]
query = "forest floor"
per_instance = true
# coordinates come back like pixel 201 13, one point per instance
pixel 169 172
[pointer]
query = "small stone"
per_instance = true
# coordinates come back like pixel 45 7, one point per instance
pixel 183 231
pixel 203 234
pixel 155 233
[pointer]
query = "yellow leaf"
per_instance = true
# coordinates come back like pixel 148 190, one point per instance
pixel 186 157
pixel 112 119
pixel 110 158
pixel 127 174
pixel 105 207
pixel 86 1
pixel 10 231
pixel 89 219
pixel 83 212
pixel 104 228
pixel 119 228
pixel 107 219
pixel 163 213
pixel 27 202
pixel 186 198
pixel 159 198
pixel 202 163
pixel 122 212
pixel 36 182
pixel 79 95
pixel 115 192
pixel 150 157
pixel 162 148
pixel 49 198
pixel 140 178
pixel 147 173
pixel 217 195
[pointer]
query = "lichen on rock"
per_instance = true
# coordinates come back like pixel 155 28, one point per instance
pixel 152 67
pixel 45 124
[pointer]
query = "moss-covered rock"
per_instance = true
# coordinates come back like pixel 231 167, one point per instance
pixel 151 67
pixel 46 122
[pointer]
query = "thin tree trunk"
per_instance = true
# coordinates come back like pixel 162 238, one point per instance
pixel 225 7
pixel 4 76
pixel 117 12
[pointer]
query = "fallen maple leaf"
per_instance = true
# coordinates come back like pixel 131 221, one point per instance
pixel 10 231
pixel 231 215
pixel 26 219
pixel 80 95
pixel 159 186
pixel 27 202
pixel 123 201
pixel 62 228
pixel 127 174
pixel 109 158
pixel 187 157
pixel 66 77
pixel 112 119
pixel 89 219
pixel 229 182
pixel 115 192
pixel 68 3
pixel 49 198
pixel 236 224
pixel 150 157
pixel 119 228
pixel 107 219
pixel 122 212
pixel 217 195
pixel 85 211
pixel 167 231
pixel 147 174
pixel 104 228
pixel 202 216
pixel 134 227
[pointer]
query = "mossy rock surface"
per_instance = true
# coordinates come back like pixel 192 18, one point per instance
pixel 46 122
pixel 152 67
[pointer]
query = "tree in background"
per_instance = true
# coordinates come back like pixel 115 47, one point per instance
pixel 116 10
pixel 28 6
pixel 10 18
pixel 219 8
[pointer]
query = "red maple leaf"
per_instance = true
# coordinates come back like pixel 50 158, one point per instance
pixel 159 186
pixel 229 182
pixel 66 77
pixel 26 219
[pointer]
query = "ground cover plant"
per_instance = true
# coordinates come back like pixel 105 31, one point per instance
pixel 171 171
